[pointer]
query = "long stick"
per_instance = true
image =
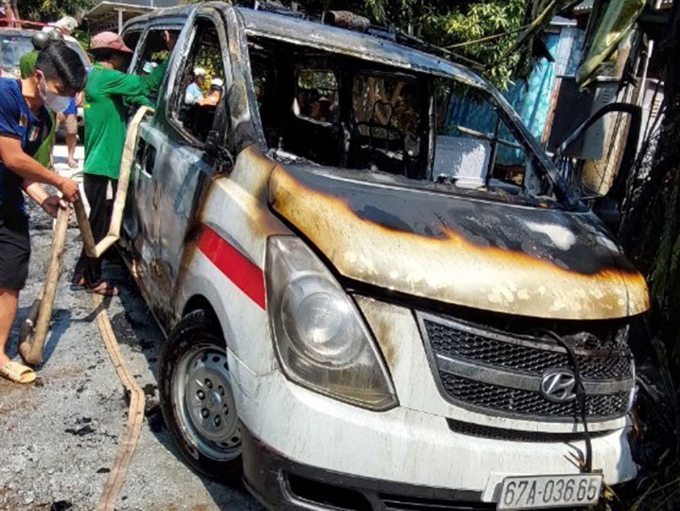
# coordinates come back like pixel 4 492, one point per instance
pixel 32 348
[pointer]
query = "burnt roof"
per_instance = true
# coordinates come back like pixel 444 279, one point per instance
pixel 311 33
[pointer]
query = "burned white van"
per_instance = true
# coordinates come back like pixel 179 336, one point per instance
pixel 378 292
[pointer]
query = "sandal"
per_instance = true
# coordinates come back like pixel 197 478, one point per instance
pixel 18 373
pixel 103 288
pixel 78 284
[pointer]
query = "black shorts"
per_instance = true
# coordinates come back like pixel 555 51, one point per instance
pixel 15 250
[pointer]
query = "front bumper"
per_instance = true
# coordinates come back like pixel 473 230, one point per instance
pixel 400 448
pixel 282 484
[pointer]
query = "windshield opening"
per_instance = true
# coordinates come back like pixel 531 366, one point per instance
pixel 477 146
pixel 334 110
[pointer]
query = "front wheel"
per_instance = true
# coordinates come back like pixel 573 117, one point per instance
pixel 197 398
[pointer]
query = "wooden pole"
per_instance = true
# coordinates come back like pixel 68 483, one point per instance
pixel 32 348
pixel 85 230
pixel 35 328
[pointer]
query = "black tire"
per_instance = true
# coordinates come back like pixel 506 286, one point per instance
pixel 193 333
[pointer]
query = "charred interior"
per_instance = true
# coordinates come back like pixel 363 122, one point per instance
pixel 339 111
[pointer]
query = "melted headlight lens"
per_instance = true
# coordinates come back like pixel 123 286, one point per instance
pixel 321 339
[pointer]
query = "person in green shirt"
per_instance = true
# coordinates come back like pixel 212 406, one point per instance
pixel 27 68
pixel 107 93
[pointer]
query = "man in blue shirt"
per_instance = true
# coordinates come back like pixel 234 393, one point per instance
pixel 24 122
pixel 194 92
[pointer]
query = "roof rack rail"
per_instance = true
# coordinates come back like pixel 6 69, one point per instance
pixel 351 21
pixel 420 44
pixel 279 8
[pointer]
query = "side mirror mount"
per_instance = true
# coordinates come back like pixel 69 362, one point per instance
pixel 217 154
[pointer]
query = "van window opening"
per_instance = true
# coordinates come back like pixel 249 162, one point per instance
pixel 336 110
pixel 132 38
pixel 154 50
pixel 152 54
pixel 196 113
pixel 316 96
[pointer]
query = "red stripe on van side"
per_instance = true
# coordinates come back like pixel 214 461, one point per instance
pixel 245 274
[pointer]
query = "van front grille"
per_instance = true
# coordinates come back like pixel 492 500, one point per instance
pixel 526 402
pixel 612 364
pixel 502 373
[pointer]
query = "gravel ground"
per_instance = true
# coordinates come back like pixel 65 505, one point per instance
pixel 60 436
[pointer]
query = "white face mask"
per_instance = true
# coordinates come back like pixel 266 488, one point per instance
pixel 57 103
pixel 53 101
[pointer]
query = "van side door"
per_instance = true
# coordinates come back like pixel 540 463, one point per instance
pixel 141 225
pixel 182 165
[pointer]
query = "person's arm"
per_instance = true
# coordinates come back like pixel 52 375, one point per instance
pixel 35 191
pixel 130 86
pixel 134 85
pixel 155 77
pixel 49 203
pixel 138 101
pixel 17 161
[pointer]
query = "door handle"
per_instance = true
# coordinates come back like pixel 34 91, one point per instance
pixel 150 160
pixel 141 150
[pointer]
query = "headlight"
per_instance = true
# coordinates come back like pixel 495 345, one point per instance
pixel 321 340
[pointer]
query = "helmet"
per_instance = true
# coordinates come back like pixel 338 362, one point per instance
pixel 217 82
pixel 40 40
pixel 55 35
pixel 199 71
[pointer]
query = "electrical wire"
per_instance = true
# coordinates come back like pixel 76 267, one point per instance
pixel 580 398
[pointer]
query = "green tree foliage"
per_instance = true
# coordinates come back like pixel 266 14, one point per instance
pixel 479 20
pixel 52 10
pixel 439 22
pixel 458 23
pixel 650 231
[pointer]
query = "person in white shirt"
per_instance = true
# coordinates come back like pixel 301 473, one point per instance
pixel 215 94
pixel 194 92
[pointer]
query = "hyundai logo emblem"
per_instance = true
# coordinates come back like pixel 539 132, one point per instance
pixel 558 385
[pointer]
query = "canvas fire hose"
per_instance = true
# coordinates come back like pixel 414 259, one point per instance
pixel 36 325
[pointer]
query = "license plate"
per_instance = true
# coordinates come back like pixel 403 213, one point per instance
pixel 541 492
